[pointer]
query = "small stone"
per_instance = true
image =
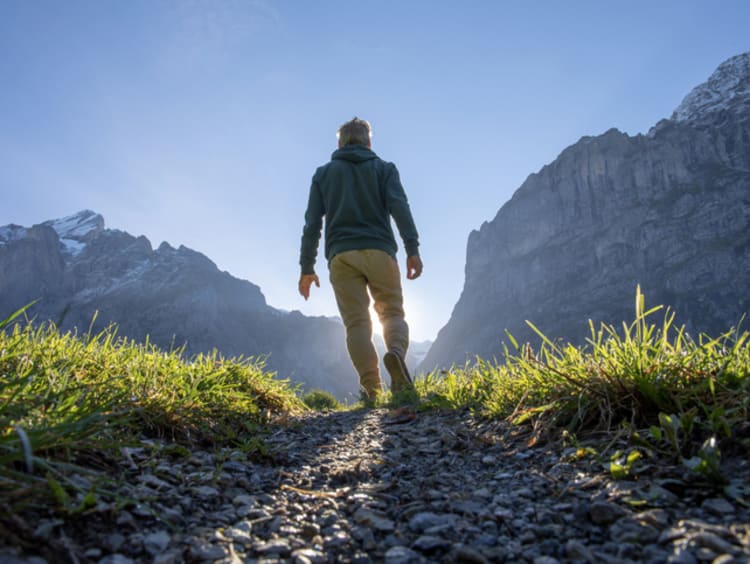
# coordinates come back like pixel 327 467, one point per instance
pixel 423 521
pixel 524 492
pixel 654 554
pixel 375 520
pixel 481 493
pixel 546 560
pixel 336 540
pixel 245 500
pixel 206 492
pixel 169 557
pixel 114 541
pixel 704 554
pixel 125 519
pixel 658 493
pixel 467 554
pixel 143 510
pixel 655 517
pixel 156 543
pixel 503 513
pixel 576 550
pixel 93 553
pixel 605 513
pixel 673 533
pixel 308 556
pixel 365 537
pixel 309 530
pixel 277 547
pixel 153 482
pixel 489 459
pixel 718 506
pixel 45 528
pixel 712 542
pixel 235 466
pixel 266 499
pixel 627 530
pixel 240 532
pixel 401 555
pixel 682 556
pixel 116 559
pixel 206 551
pixel 429 544
pixel 467 507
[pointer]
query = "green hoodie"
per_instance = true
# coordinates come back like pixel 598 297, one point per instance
pixel 357 192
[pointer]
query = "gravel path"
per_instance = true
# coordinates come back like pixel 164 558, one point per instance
pixel 398 487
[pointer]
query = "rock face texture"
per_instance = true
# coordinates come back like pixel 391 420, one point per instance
pixel 75 267
pixel 669 210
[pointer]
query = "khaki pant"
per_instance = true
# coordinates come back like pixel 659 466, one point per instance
pixel 352 273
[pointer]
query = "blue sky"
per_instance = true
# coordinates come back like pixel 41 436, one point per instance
pixel 202 122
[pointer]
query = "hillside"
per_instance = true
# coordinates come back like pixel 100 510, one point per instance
pixel 669 210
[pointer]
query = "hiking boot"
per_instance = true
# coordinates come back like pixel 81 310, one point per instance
pixel 400 379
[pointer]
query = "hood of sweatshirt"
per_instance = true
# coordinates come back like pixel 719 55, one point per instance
pixel 354 154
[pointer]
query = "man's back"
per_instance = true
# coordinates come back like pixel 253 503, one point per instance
pixel 357 192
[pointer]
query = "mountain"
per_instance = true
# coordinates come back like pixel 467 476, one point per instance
pixel 669 210
pixel 174 296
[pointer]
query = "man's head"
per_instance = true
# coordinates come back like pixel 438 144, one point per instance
pixel 354 132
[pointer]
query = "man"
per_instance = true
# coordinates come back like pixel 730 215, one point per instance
pixel 358 193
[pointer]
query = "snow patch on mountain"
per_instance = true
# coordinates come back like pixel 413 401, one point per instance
pixel 12 232
pixel 729 84
pixel 77 226
pixel 71 246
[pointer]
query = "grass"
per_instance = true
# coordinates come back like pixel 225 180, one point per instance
pixel 675 393
pixel 69 403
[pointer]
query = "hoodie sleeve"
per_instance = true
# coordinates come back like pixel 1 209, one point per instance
pixel 311 230
pixel 398 207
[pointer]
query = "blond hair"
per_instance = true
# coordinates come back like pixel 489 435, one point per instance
pixel 354 132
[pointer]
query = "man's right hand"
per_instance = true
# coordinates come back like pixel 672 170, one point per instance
pixel 305 281
pixel 413 267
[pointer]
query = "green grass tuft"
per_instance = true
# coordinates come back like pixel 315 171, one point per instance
pixel 640 377
pixel 67 403
pixel 320 400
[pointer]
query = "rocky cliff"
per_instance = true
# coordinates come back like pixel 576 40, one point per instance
pixel 669 210
pixel 176 297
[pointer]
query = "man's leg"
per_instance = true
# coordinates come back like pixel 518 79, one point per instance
pixel 384 280
pixel 350 287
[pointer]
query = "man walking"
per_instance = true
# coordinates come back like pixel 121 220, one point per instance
pixel 358 193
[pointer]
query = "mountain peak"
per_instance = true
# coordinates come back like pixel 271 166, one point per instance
pixel 78 225
pixel 728 85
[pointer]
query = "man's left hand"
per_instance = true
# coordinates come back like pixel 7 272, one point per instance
pixel 305 281
pixel 413 267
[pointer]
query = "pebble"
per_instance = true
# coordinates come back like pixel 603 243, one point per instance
pixel 718 506
pixel 424 521
pixel 604 513
pixel 429 544
pixel 356 487
pixel 156 543
pixel 401 555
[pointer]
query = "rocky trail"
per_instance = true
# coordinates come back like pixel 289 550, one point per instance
pixel 399 487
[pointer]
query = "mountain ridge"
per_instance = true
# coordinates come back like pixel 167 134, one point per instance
pixel 667 210
pixel 175 297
